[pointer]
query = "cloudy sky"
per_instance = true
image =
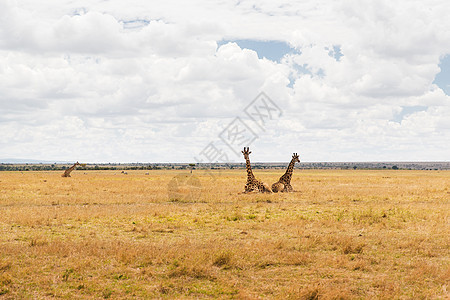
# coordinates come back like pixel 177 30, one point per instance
pixel 163 81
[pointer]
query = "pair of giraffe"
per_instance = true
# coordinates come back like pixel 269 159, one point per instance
pixel 253 184
pixel 282 185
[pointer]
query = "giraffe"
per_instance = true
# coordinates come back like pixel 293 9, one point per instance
pixel 253 184
pixel 67 172
pixel 284 183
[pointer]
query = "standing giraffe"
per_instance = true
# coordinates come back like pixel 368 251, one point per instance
pixel 253 184
pixel 284 183
pixel 67 172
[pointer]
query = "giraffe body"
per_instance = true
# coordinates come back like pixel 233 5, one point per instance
pixel 69 170
pixel 253 184
pixel 284 183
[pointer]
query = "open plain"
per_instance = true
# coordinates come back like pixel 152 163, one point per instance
pixel 344 234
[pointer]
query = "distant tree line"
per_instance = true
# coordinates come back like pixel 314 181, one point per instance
pixel 32 167
pixel 190 166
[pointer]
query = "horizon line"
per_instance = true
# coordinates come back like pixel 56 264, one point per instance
pixel 58 162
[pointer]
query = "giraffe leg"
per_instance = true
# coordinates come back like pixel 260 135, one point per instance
pixel 249 187
pixel 289 188
pixel 277 187
pixel 262 188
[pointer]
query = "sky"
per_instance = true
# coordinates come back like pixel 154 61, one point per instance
pixel 196 81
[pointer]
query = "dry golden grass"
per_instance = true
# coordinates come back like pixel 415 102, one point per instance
pixel 344 235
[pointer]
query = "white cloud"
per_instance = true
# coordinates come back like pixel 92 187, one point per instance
pixel 147 81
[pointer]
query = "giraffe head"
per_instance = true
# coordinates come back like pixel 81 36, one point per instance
pixel 295 157
pixel 246 152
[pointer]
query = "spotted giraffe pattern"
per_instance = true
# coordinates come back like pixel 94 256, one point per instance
pixel 67 172
pixel 253 184
pixel 284 183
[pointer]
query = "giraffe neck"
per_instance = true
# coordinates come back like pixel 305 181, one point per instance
pixel 289 171
pixel 73 167
pixel 250 176
pixel 70 169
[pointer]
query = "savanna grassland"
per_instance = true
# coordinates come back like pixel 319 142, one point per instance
pixel 346 234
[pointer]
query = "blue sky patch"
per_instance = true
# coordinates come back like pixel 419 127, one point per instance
pixel 134 24
pixel 273 50
pixel 442 79
pixel 301 69
pixel 408 110
pixel 335 52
